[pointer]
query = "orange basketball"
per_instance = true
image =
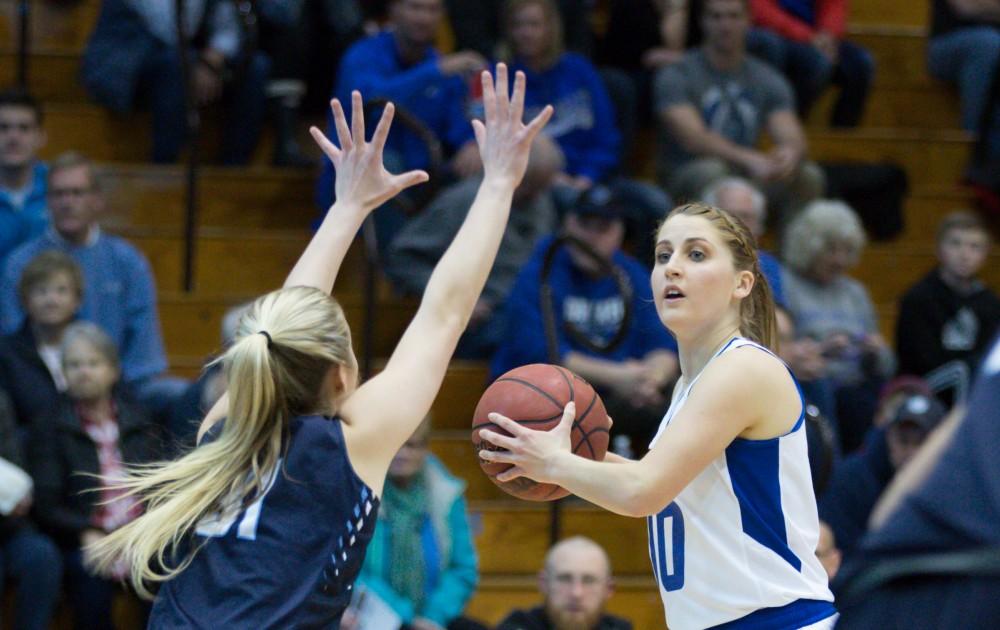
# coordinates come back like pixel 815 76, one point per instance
pixel 535 396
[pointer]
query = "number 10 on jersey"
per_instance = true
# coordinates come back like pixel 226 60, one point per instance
pixel 666 546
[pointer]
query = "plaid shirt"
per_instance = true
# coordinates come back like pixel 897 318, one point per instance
pixel 114 508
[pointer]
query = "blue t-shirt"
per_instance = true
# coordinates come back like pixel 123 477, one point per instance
pixel 593 305
pixel 373 67
pixel 288 560
pixel 24 219
pixel 583 123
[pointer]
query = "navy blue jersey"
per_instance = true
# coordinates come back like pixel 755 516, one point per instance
pixel 958 507
pixel 288 560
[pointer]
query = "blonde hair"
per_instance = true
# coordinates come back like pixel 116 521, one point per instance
pixel 553 22
pixel 271 378
pixel 757 319
pixel 820 224
pixel 92 334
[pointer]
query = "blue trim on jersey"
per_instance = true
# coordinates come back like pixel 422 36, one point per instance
pixel 798 614
pixel 753 471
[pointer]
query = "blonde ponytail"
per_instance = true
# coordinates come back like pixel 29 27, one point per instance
pixel 284 347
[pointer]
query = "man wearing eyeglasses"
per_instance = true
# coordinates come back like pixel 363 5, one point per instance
pixel 575 583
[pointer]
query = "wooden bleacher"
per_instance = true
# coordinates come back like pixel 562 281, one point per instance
pixel 254 222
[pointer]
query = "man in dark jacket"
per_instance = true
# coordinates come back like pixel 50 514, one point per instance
pixel 25 555
pixel 576 583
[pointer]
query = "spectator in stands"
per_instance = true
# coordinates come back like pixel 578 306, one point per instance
pixel 576 584
pixel 400 64
pixel 478 25
pixel 949 315
pixel 964 49
pixel 804 39
pixel 188 410
pixel 50 291
pixel 26 556
pixel 860 479
pixel 23 177
pixel 820 245
pixel 133 60
pixel 827 551
pixel 741 198
pixel 423 240
pixel 304 40
pixel 119 293
pixel 584 124
pixel 584 120
pixel 421 561
pixel 93 431
pixel 713 106
pixel 805 359
pixel 614 341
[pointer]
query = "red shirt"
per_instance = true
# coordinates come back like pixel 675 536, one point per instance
pixel 831 16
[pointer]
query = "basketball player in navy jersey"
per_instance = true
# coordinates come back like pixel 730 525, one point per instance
pixel 725 488
pixel 265 523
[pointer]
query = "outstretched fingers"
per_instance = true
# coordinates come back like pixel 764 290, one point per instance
pixel 489 96
pixel 382 130
pixel 340 124
pixel 357 118
pixel 531 129
pixel 502 92
pixel 517 100
pixel 410 178
pixel 324 143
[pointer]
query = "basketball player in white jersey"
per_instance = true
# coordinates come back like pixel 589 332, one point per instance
pixel 725 487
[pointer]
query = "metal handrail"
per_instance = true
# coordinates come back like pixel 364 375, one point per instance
pixel 23 43
pixel 192 167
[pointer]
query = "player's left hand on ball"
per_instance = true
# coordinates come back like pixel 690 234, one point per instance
pixel 532 453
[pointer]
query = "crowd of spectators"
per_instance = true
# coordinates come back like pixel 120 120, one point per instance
pixel 84 381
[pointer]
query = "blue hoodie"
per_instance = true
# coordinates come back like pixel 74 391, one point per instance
pixel 583 123
pixel 373 66
pixel 19 225
pixel 575 293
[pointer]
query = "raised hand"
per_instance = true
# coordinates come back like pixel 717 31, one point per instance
pixel 360 175
pixel 504 140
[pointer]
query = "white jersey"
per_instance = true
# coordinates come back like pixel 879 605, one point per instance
pixel 736 548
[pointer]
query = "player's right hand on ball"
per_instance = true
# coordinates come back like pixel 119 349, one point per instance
pixel 532 454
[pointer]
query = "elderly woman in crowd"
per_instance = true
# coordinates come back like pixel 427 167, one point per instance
pixel 421 561
pixel 96 432
pixel 50 290
pixel 821 244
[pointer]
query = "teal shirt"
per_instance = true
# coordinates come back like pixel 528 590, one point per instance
pixel 452 564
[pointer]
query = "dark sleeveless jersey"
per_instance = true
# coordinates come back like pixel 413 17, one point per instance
pixel 288 560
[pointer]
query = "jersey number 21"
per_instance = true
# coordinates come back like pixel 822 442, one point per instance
pixel 219 524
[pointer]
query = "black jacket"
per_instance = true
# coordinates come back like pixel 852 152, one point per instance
pixel 536 619
pixel 25 377
pixel 60 450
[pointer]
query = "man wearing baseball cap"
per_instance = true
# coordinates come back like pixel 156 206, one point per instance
pixel 585 300
pixel 860 479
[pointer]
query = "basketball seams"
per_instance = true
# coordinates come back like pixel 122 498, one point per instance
pixel 534 388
